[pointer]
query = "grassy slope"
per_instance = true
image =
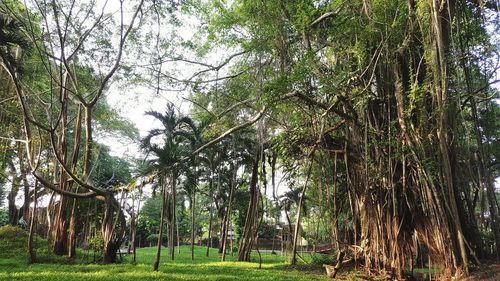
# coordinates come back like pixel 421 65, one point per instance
pixel 203 268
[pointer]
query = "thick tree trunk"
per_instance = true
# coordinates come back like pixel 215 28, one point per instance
pixel 112 229
pixel 222 233
pixel 251 222
pixel 60 236
pixel 74 162
pixel 440 26
pixel 59 230
pixel 11 201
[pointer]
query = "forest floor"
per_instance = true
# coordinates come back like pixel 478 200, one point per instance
pixel 182 268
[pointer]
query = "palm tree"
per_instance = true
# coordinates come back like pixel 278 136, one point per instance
pixel 193 174
pixel 211 159
pixel 12 40
pixel 172 147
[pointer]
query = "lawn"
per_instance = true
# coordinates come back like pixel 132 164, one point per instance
pixel 182 268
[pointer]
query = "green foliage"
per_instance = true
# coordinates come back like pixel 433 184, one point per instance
pixel 320 259
pixel 110 170
pixel 110 123
pixel 241 200
pixel 4 216
pixel 2 195
pixel 266 231
pixel 11 37
pixel 96 243
pixel 149 217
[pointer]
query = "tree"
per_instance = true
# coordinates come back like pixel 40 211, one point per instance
pixel 46 124
pixel 175 133
pixel 374 85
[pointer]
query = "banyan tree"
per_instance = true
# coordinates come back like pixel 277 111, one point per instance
pixel 388 91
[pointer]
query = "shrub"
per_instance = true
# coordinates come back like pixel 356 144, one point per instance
pixel 14 244
pixel 320 259
pixel 12 240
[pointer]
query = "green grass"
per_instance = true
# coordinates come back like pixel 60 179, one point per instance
pixel 182 268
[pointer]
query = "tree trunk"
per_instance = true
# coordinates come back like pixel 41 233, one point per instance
pixel 59 231
pixel 228 214
pixel 193 203
pixel 49 213
pixel 60 236
pixel 247 238
pixel 74 163
pixel 162 221
pixel 72 232
pixel 31 250
pixel 177 236
pixel 440 27
pixel 134 228
pixel 173 218
pixel 209 241
pixel 11 197
pixel 299 213
pixel 112 229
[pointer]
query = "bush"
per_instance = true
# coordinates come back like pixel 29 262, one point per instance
pixel 13 240
pixel 96 243
pixel 14 244
pixel 320 259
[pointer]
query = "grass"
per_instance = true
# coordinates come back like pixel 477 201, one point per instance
pixel 182 268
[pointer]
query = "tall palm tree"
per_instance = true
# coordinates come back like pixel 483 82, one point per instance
pixel 193 173
pixel 173 146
